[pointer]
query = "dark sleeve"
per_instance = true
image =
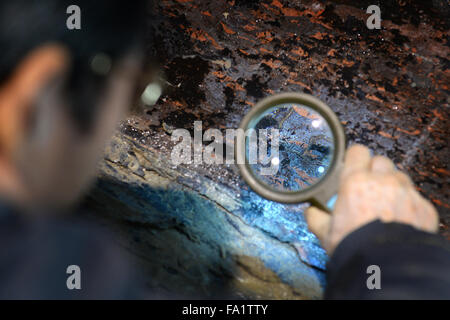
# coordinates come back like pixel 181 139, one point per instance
pixel 35 257
pixel 412 264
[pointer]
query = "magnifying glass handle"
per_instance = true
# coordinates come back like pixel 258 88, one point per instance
pixel 332 202
pixel 325 203
pixel 327 194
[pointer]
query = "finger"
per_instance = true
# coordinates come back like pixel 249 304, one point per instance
pixel 356 159
pixel 318 223
pixel 403 178
pixel 428 216
pixel 382 165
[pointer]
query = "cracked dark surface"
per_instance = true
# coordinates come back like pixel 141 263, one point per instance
pixel 389 87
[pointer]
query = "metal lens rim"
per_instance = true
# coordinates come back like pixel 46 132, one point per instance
pixel 324 185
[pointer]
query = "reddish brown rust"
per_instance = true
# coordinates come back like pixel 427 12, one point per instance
pixel 389 86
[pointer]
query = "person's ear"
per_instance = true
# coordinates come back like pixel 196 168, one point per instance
pixel 18 93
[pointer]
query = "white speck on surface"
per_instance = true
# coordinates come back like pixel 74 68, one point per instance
pixel 275 161
pixel 316 123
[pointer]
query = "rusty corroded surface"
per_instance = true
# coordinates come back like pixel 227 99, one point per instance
pixel 200 224
pixel 389 87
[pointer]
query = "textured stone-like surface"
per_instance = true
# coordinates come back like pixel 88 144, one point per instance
pixel 197 237
pixel 389 88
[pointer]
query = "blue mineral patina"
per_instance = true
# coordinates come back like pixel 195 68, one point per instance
pixel 252 226
pixel 285 223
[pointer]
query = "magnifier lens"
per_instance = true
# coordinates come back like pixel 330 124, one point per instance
pixel 289 147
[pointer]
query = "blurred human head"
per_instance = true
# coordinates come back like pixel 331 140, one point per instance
pixel 62 93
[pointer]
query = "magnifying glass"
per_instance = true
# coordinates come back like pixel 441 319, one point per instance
pixel 292 150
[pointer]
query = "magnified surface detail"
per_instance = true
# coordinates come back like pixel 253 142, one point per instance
pixel 305 147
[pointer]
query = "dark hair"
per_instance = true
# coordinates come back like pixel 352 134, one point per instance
pixel 107 26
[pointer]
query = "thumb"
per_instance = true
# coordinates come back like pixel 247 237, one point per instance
pixel 319 223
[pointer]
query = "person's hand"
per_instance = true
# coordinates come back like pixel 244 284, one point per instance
pixel 370 189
